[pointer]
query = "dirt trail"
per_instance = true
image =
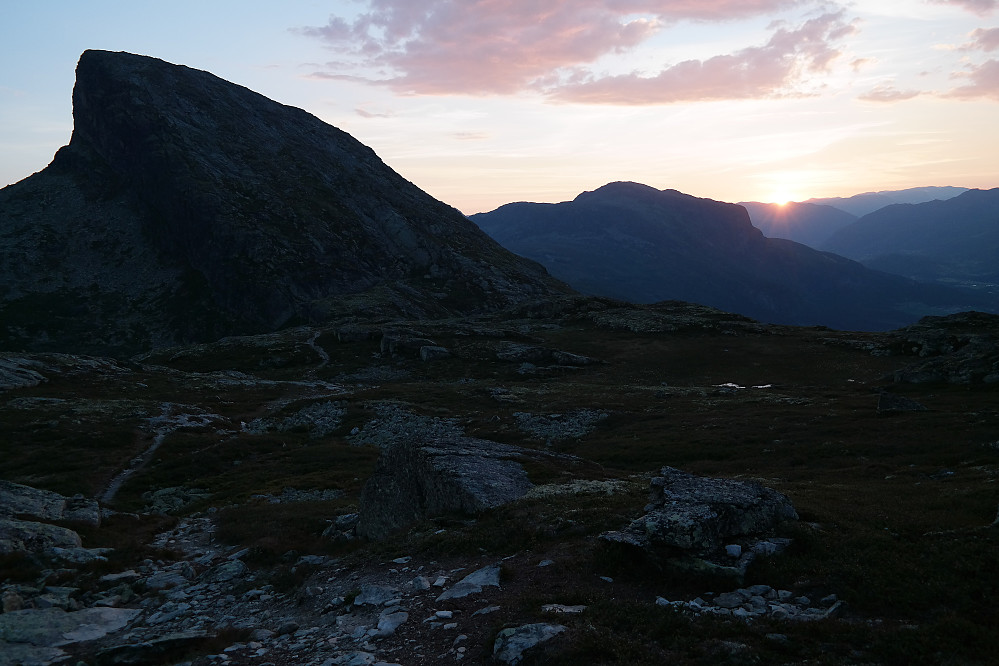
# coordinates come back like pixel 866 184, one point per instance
pixel 161 426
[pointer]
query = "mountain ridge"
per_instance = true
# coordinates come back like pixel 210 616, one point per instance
pixel 202 209
pixel 640 244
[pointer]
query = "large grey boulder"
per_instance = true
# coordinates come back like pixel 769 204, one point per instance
pixel 700 515
pixel 418 479
pixel 25 536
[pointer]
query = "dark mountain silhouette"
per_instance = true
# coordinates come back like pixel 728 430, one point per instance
pixel 636 243
pixel 806 223
pixel 868 202
pixel 186 208
pixel 957 239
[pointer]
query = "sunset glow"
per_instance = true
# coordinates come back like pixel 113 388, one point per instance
pixel 482 103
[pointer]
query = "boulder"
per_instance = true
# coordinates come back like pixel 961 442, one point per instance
pixel 25 501
pixel 23 536
pixel 700 515
pixel 416 479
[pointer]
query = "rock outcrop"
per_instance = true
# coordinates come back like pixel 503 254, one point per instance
pixel 957 349
pixel 25 517
pixel 692 516
pixel 419 479
pixel 186 208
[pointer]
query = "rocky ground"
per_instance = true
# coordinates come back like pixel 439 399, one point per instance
pixel 572 482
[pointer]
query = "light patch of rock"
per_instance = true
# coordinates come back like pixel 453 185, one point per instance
pixel 512 643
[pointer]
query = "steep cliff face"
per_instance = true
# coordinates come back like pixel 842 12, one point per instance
pixel 186 207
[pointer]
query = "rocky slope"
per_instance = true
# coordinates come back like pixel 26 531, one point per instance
pixel 584 482
pixel 186 208
pixel 640 244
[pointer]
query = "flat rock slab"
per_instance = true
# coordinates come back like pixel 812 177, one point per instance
pixel 54 627
pixel 473 583
pixel 512 643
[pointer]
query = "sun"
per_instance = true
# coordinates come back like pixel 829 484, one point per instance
pixel 782 197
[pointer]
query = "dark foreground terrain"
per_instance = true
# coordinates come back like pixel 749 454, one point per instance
pixel 228 473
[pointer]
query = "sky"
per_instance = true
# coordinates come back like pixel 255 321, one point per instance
pixel 484 102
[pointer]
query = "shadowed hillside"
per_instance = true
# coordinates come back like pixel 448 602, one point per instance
pixel 955 240
pixel 186 208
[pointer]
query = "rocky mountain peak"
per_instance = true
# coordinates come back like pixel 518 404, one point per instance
pixel 200 208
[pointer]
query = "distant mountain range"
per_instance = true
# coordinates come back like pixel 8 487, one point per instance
pixel 955 240
pixel 807 223
pixel 868 202
pixel 812 222
pixel 640 244
pixel 186 208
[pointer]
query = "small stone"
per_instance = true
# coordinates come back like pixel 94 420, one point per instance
pixel 828 601
pixel 444 614
pixel 287 628
pixel 420 584
pixel 733 550
pixel 546 563
pixel 486 610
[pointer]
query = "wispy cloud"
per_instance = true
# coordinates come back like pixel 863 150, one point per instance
pixel 364 113
pixel 773 69
pixel 888 93
pixel 470 136
pixel 490 47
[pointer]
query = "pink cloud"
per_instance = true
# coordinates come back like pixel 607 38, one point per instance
pixel 888 93
pixel 980 7
pixel 484 47
pixel 983 82
pixel 754 72
pixel 984 39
